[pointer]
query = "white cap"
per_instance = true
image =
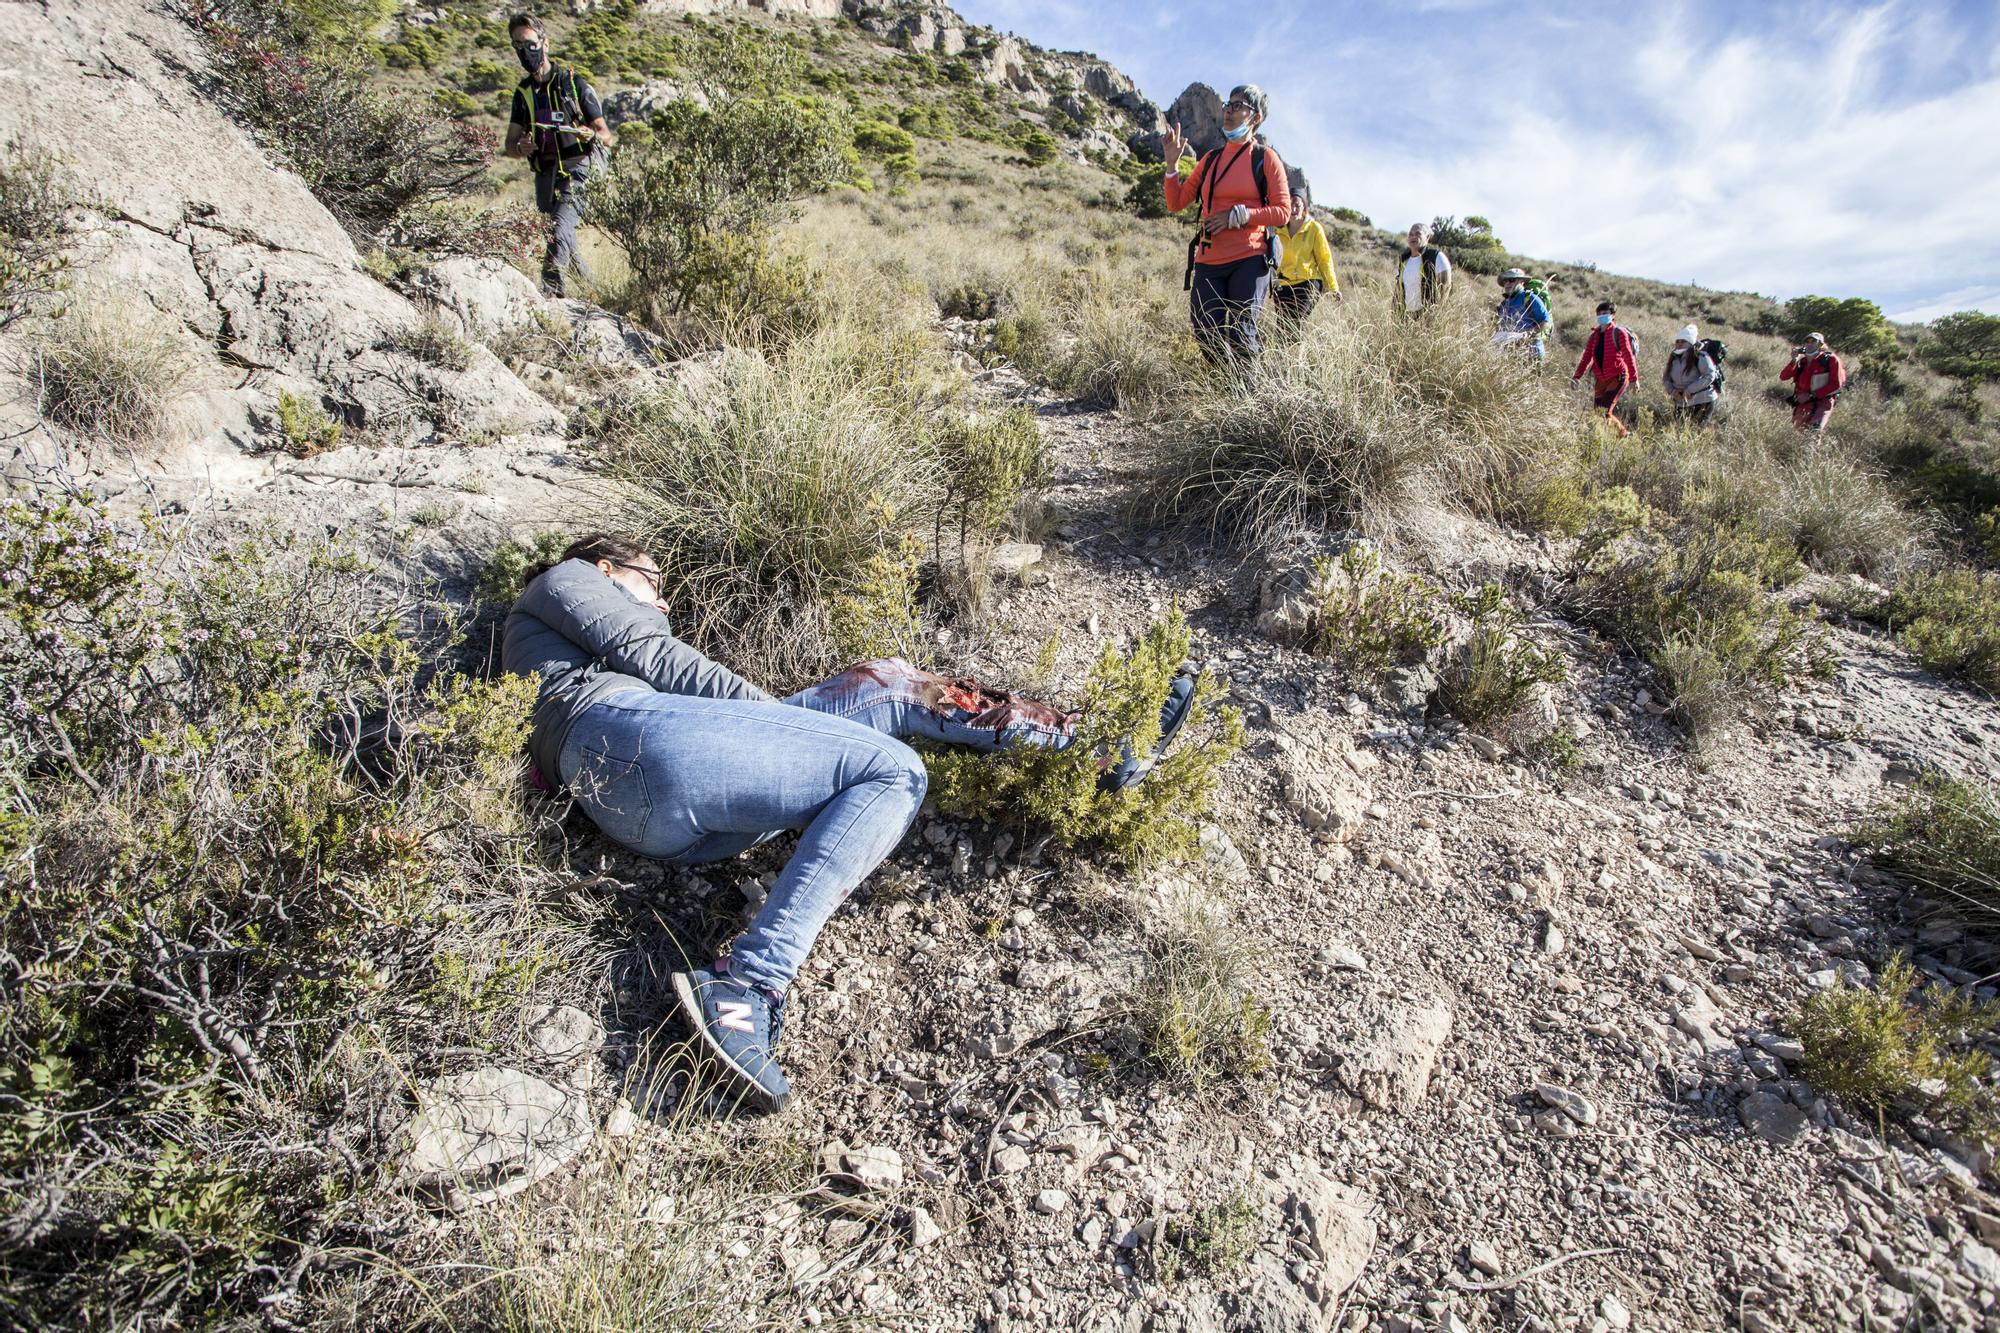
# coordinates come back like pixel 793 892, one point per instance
pixel 1689 335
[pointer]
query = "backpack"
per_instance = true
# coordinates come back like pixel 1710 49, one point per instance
pixel 1715 350
pixel 1204 180
pixel 1536 287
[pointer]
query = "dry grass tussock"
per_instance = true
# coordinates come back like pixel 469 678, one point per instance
pixel 105 370
pixel 795 499
pixel 1355 424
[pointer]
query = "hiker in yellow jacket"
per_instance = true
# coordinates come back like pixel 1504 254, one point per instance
pixel 1305 262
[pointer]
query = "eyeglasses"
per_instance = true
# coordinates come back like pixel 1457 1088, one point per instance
pixel 652 576
pixel 534 45
pixel 1238 106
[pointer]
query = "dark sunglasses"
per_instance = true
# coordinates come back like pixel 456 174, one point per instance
pixel 535 45
pixel 653 577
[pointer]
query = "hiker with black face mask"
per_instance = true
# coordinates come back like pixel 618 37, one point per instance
pixel 558 125
pixel 1244 198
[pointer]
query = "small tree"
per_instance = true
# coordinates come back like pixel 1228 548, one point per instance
pixel 1853 327
pixel 713 173
pixel 1471 244
pixel 1965 346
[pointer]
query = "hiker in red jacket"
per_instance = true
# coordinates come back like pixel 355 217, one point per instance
pixel 1817 378
pixel 1609 350
pixel 1244 199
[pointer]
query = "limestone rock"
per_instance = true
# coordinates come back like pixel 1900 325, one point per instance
pixel 1772 1118
pixel 1012 560
pixel 489 1133
pixel 1388 1063
pixel 485 296
pixel 1339 1227
pixel 1321 787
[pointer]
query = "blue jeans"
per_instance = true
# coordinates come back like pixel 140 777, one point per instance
pixel 688 780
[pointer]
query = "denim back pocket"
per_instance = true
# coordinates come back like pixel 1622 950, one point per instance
pixel 612 791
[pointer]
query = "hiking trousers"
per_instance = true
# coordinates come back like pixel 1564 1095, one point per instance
pixel 688 779
pixel 1224 301
pixel 1810 414
pixel 1296 300
pixel 559 195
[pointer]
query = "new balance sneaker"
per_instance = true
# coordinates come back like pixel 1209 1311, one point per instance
pixel 1132 768
pixel 738 1025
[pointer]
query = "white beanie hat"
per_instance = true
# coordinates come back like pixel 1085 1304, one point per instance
pixel 1689 335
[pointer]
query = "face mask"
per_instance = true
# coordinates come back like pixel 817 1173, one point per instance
pixel 531 57
pixel 1236 135
pixel 1604 319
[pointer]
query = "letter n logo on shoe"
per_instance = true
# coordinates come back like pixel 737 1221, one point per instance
pixel 734 1015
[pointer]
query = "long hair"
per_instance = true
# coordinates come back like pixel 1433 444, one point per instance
pixel 594 547
pixel 1690 359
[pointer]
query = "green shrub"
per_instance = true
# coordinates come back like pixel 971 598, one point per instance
pixel 506 571
pixel 297 83
pixel 1946 836
pixel 990 462
pixel 1353 216
pixel 1471 244
pixel 1209 1245
pixel 1965 346
pixel 1886 1052
pixel 693 205
pixel 486 76
pixel 109 371
pixel 433 340
pixel 34 227
pixel 1492 677
pixel 1950 619
pixel 304 427
pixel 1855 328
pixel 218 925
pixel 1054 792
pixel 1370 621
pixel 1038 147
pixel 1697 604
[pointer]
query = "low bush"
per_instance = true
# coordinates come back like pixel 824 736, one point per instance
pixel 692 207
pixel 1950 619
pixel 511 231
pixel 107 371
pixel 1945 835
pixel 1697 603
pixel 1209 1244
pixel 34 227
pixel 1493 675
pixel 304 427
pixel 1889 1052
pixel 300 87
pixel 765 486
pixel 433 340
pixel 1054 793
pixel 1371 621
pixel 232 898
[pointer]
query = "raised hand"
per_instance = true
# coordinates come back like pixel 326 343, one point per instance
pixel 1173 146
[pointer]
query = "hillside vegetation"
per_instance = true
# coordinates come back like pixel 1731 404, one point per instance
pixel 275 892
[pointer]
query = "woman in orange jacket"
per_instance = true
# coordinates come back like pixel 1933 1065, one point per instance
pixel 1243 198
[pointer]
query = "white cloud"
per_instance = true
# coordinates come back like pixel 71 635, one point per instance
pixel 1851 153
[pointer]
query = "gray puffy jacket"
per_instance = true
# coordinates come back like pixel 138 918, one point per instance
pixel 587 638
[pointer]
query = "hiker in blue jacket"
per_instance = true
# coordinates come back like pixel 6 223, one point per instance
pixel 676 757
pixel 1523 316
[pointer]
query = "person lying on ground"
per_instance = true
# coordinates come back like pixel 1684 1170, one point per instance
pixel 1305 262
pixel 675 757
pixel 1817 377
pixel 1523 317
pixel 1690 378
pixel 1244 196
pixel 1423 273
pixel 1609 354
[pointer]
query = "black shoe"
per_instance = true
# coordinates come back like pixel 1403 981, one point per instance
pixel 735 1022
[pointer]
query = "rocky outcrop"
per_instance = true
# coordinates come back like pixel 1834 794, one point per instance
pixel 226 245
pixel 812 9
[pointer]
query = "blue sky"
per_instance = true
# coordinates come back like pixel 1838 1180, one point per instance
pixel 1843 150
